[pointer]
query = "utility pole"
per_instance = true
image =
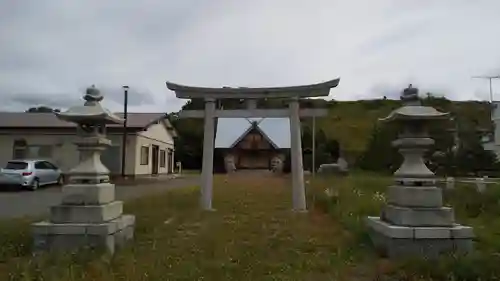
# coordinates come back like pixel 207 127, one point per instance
pixel 491 85
pixel 490 78
pixel 124 138
pixel 492 105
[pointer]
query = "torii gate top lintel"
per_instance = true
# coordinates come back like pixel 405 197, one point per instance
pixel 303 91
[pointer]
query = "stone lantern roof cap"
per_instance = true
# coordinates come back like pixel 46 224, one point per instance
pixel 93 94
pixel 413 110
pixel 91 111
pixel 409 94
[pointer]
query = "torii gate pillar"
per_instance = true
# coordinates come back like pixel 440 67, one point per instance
pixel 298 187
pixel 207 175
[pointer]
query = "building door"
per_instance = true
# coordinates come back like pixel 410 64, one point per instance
pixel 154 160
pixel 170 162
pixel 254 160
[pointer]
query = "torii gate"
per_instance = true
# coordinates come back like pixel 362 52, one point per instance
pixel 251 95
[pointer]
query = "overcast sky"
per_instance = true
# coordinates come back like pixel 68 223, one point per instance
pixel 50 51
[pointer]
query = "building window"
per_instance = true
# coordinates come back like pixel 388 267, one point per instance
pixel 144 155
pixel 19 150
pixel 22 151
pixel 162 158
pixel 40 151
pixel 19 153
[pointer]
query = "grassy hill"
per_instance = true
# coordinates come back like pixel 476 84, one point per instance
pixel 351 122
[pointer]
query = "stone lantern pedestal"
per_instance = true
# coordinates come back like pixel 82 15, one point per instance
pixel 414 222
pixel 89 215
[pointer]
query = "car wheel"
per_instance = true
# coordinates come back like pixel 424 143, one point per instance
pixel 35 185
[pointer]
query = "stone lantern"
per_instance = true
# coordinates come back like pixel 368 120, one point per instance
pixel 414 221
pixel 89 215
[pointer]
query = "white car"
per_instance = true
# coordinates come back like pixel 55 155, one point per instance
pixel 30 174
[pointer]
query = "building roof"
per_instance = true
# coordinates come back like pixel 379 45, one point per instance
pixel 49 120
pixel 231 130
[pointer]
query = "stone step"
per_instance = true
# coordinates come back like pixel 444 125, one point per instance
pixel 426 242
pixel 415 196
pixel 86 213
pixel 404 216
pixel 88 194
pixel 455 231
pixel 69 236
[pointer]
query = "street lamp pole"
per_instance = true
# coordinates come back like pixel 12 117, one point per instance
pixel 314 146
pixel 124 138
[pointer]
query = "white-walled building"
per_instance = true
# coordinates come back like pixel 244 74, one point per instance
pixel 149 147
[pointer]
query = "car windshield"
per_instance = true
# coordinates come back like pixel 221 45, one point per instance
pixel 16 165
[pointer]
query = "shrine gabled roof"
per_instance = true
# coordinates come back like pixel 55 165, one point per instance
pixel 230 130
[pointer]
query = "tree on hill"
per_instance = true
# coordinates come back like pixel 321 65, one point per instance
pixel 471 157
pixel 42 109
pixel 380 155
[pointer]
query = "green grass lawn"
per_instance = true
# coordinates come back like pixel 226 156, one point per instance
pixel 253 235
pixel 360 195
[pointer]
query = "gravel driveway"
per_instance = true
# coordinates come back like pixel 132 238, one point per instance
pixel 14 204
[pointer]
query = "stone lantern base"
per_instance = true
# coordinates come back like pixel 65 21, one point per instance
pixel 89 216
pixel 414 223
pixel 396 241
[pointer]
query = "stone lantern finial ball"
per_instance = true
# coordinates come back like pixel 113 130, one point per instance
pixel 410 93
pixel 93 94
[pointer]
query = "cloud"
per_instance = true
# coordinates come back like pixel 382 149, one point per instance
pixel 52 50
pixel 113 97
pixel 37 99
